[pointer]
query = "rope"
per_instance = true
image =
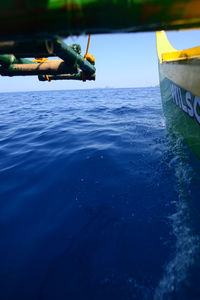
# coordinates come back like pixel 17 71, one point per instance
pixel 48 78
pixel 41 60
pixel 88 57
pixel 88 44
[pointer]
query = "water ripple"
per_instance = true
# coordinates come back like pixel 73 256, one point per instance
pixel 88 208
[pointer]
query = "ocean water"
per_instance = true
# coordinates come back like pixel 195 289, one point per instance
pixel 99 200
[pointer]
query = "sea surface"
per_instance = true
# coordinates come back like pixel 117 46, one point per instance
pixel 99 200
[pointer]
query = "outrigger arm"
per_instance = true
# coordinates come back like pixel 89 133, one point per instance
pixel 70 65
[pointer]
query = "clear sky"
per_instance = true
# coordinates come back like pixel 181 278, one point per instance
pixel 122 60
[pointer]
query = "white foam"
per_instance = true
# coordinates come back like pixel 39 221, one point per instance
pixel 187 243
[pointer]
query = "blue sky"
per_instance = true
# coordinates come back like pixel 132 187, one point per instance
pixel 122 60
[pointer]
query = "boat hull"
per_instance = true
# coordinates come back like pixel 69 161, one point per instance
pixel 182 111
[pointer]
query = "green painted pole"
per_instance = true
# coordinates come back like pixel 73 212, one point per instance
pixel 29 48
pixel 7 59
pixel 68 54
pixel 78 76
pixel 32 48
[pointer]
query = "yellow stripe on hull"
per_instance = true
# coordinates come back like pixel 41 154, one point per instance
pixel 182 67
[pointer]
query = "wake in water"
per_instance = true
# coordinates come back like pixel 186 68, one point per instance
pixel 187 247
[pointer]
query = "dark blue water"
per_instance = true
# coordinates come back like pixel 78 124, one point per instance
pixel 98 201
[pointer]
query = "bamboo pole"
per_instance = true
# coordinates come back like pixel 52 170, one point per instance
pixel 51 67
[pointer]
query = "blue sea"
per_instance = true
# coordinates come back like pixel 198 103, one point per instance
pixel 99 200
